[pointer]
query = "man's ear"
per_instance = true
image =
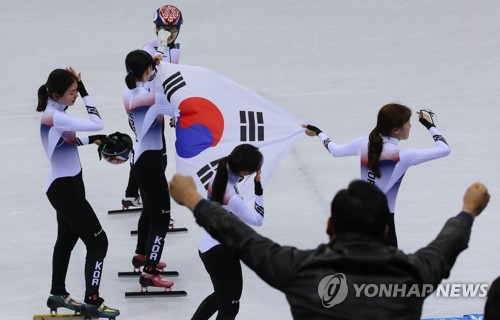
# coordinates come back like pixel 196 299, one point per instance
pixel 330 230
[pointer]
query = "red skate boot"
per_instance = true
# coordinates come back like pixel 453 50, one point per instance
pixel 152 278
pixel 139 260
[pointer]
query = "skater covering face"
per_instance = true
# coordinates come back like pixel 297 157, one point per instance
pixel 223 267
pixel 173 32
pixel 168 21
pixel 244 160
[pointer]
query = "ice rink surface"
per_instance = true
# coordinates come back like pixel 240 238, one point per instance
pixel 330 63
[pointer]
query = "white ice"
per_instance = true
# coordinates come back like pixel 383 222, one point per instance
pixel 330 63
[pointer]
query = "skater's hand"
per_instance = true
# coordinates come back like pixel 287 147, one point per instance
pixel 183 191
pixel 258 175
pixel 424 117
pixel 476 198
pixel 311 130
pixel 172 122
pixel 78 75
pixel 157 58
pixel 81 88
pixel 162 40
pixel 97 139
pixel 258 186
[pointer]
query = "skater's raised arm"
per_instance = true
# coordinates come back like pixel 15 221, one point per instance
pixel 336 150
pixel 437 259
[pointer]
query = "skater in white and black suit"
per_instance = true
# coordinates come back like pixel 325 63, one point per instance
pixel 168 21
pixel 146 109
pixel 66 192
pixel 223 268
pixel 382 162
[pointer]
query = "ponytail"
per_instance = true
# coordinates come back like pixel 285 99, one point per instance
pixel 390 116
pixel 136 63
pixel 375 145
pixel 130 81
pixel 43 98
pixel 220 182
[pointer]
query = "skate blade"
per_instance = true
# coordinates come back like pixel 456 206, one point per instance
pixel 60 316
pixel 138 273
pixel 170 293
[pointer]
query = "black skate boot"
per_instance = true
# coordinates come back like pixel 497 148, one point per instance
pixel 131 202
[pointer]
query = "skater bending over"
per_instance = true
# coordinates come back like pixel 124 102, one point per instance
pixel 145 109
pixel 383 163
pixel 66 192
pixel 225 269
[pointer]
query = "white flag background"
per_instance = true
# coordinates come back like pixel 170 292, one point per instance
pixel 215 115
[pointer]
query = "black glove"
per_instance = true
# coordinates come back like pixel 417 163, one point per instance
pixel 81 89
pixel 315 129
pixel 258 188
pixel 426 123
pixel 95 137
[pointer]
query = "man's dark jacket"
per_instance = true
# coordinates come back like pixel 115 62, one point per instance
pixel 368 274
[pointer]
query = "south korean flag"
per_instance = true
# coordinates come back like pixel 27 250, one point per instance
pixel 216 114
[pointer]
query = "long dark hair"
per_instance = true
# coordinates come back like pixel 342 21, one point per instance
pixel 390 116
pixel 59 81
pixel 244 157
pixel 136 63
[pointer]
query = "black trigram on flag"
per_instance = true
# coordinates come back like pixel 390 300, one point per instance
pixel 252 126
pixel 207 172
pixel 172 84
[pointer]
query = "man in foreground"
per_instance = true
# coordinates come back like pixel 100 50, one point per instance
pixel 354 276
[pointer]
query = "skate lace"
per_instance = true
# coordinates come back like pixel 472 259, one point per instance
pixel 105 308
pixel 68 300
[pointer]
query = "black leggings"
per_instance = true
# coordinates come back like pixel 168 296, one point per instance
pixel 153 223
pixel 76 220
pixel 225 273
pixel 132 185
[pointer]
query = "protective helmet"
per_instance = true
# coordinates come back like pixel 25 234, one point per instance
pixel 168 15
pixel 116 148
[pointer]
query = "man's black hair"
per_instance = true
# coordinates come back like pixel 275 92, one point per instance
pixel 361 208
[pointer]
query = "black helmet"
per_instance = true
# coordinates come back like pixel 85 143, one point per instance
pixel 116 148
